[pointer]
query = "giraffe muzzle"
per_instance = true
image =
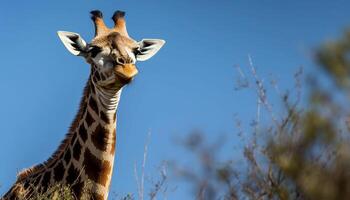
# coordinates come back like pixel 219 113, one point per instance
pixel 127 71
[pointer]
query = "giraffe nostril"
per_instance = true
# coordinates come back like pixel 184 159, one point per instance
pixel 121 61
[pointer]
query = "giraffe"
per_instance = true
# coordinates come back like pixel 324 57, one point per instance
pixel 88 150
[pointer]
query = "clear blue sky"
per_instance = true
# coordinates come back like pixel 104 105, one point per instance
pixel 188 85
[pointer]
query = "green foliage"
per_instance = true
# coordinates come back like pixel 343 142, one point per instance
pixel 315 155
pixel 334 58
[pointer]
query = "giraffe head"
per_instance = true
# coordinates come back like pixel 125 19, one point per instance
pixel 111 53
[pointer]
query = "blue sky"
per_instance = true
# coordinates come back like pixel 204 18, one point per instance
pixel 188 85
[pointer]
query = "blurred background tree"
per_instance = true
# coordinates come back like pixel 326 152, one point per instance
pixel 304 153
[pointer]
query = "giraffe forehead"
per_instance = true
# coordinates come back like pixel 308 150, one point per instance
pixel 114 39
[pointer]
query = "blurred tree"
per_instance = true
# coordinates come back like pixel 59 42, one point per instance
pixel 315 154
pixel 307 153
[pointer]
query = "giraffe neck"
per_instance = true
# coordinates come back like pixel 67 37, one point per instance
pixel 94 147
pixel 85 158
pixel 93 151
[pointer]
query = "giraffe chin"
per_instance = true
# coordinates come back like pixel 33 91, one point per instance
pixel 124 80
pixel 126 72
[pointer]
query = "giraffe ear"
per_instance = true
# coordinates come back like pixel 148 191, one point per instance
pixel 148 48
pixel 73 42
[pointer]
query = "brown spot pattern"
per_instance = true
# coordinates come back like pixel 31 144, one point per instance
pixel 104 117
pixel 89 120
pixel 83 132
pixel 77 150
pixel 46 180
pixel 96 169
pixel 114 139
pixel 67 156
pixel 77 188
pixel 73 175
pixel 97 75
pixel 93 104
pixel 99 138
pixel 59 172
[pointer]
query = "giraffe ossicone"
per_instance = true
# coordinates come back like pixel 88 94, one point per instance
pixel 84 160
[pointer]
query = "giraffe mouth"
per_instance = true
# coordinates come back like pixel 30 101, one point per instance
pixel 123 80
pixel 126 72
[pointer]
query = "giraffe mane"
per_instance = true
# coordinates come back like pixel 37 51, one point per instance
pixel 42 166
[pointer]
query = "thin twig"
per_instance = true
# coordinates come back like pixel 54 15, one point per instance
pixel 137 180
pixel 141 184
pixel 261 92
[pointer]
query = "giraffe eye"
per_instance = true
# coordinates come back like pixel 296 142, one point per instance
pixel 94 50
pixel 121 61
